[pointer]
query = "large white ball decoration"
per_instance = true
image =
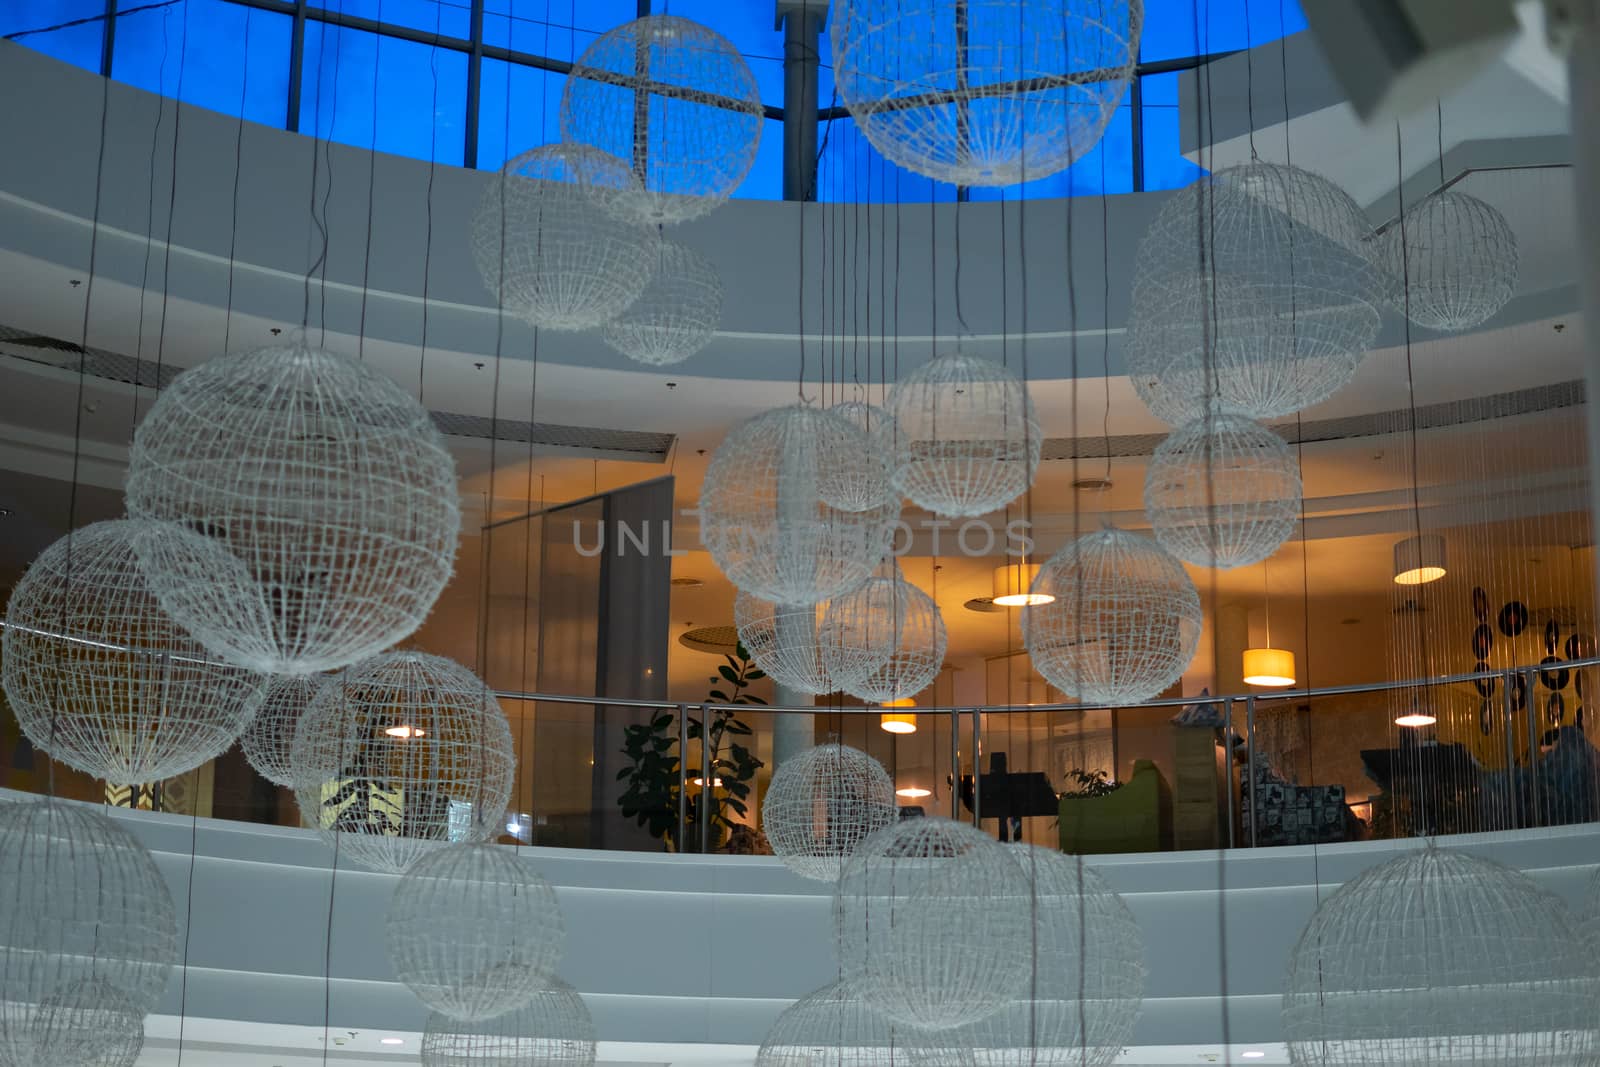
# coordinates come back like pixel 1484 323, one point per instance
pixel 857 483
pixel 1441 957
pixel 677 314
pixel 1124 624
pixel 931 918
pixel 553 1029
pixel 782 640
pixel 328 485
pixel 102 679
pixel 678 102
pixel 984 92
pixel 1451 263
pixel 1222 491
pixel 85 912
pixel 86 1023
pixel 402 754
pixel 764 521
pixel 822 805
pixel 1086 973
pixel 966 438
pixel 268 739
pixel 884 640
pixel 474 931
pixel 1252 293
pixel 835 1027
pixel 548 245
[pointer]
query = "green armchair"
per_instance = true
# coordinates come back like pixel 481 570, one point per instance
pixel 1134 818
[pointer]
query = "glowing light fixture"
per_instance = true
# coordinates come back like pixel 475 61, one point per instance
pixel 1253 1054
pixel 399 1041
pixel 899 722
pixel 716 783
pixel 913 792
pixel 1416 718
pixel 1418 560
pixel 1012 582
pixel 1268 667
pixel 406 731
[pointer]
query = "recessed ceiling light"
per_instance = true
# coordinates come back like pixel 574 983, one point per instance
pixel 401 1041
pixel 913 793
pixel 1253 1054
pixel 404 732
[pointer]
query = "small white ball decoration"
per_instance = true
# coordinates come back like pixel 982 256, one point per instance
pixel 1222 491
pixel 701 121
pixel 553 1029
pixel 1253 293
pixel 934 83
pixel 677 314
pixel 764 521
pixel 822 805
pixel 268 739
pixel 1087 974
pixel 931 917
pixel 860 483
pixel 548 245
pixel 399 755
pixel 102 679
pixel 1451 263
pixel 782 640
pixel 966 438
pixel 474 931
pixel 1441 957
pixel 1124 624
pixel 85 910
pixel 884 640
pixel 327 483
pixel 835 1027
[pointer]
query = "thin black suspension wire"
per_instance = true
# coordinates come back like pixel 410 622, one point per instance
pixel 238 170
pixel 172 207
pixel 372 182
pixel 150 231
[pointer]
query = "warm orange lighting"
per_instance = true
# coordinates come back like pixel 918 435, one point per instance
pixel 716 783
pixel 1416 718
pixel 404 732
pixel 902 702
pixel 913 793
pixel 1419 560
pixel 898 723
pixel 1012 583
pixel 1268 667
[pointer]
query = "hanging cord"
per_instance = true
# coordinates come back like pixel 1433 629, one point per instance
pixel 320 223
pixel 150 226
pixel 172 208
pixel 1438 110
pixel 238 170
pixel 372 181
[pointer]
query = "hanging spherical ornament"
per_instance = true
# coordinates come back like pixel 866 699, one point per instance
pixel 679 102
pixel 984 92
pixel 1086 969
pixel 677 314
pixel 270 736
pixel 101 678
pixel 835 1027
pixel 1441 957
pixel 553 1029
pixel 850 483
pixel 1451 264
pixel 822 805
pixel 884 640
pixel 966 439
pixel 328 485
pixel 782 639
pixel 764 521
pixel 88 933
pixel 1124 624
pixel 548 246
pixel 931 918
pixel 401 754
pixel 1252 293
pixel 1222 491
pixel 474 931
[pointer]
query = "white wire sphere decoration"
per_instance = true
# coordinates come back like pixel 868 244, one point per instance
pixel 552 1029
pixel 967 441
pixel 101 678
pixel 1283 311
pixel 703 125
pixel 1451 263
pixel 1087 973
pixel 474 931
pixel 327 483
pixel 1441 957
pixel 822 804
pixel 835 1027
pixel 85 1023
pixel 677 314
pixel 860 483
pixel 931 917
pixel 1124 624
pixel 782 640
pixel 267 741
pixel 399 755
pixel 86 910
pixel 549 247
pixel 1222 491
pixel 764 521
pixel 928 81
pixel 884 640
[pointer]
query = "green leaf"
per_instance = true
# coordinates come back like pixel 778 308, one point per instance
pixel 729 674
